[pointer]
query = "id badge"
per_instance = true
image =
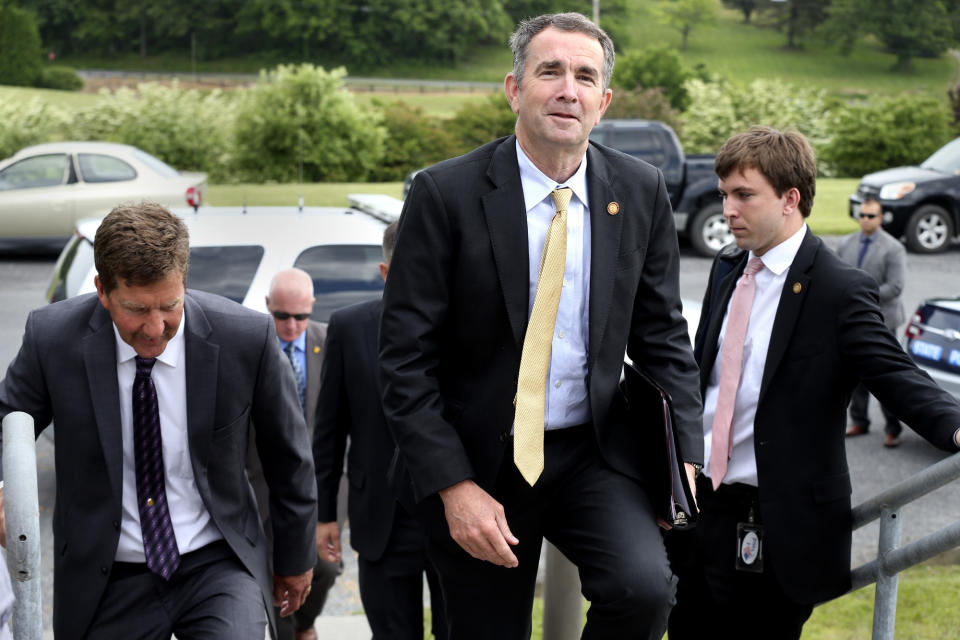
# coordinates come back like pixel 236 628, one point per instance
pixel 750 547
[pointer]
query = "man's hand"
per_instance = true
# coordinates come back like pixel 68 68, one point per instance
pixel 290 592
pixel 328 541
pixel 3 522
pixel 478 524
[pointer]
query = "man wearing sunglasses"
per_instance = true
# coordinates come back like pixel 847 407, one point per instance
pixel 882 256
pixel 290 302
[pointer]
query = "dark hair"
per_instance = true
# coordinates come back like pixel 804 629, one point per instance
pixel 870 198
pixel 527 29
pixel 389 241
pixel 141 244
pixel 783 157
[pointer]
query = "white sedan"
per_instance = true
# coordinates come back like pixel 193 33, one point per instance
pixel 47 188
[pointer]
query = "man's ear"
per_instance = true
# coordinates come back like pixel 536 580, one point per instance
pixel 792 201
pixel 512 89
pixel 101 293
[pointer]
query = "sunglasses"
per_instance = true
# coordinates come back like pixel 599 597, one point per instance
pixel 868 216
pixel 283 315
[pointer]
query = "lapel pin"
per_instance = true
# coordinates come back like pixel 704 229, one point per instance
pixel 316 349
pixel 613 208
pixel 797 287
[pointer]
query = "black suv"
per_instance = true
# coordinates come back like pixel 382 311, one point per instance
pixel 920 204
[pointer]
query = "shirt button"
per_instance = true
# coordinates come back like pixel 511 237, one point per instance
pixel 562 334
pixel 557 384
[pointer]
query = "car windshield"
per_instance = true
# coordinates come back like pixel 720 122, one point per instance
pixel 156 164
pixel 946 159
pixel 342 275
pixel 227 271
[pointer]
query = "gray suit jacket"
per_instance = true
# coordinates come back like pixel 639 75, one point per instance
pixel 316 335
pixel 235 372
pixel 886 261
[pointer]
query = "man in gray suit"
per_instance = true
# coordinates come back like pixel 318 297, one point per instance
pixel 153 389
pixel 882 256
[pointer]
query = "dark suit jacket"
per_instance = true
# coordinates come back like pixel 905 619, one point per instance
pixel 349 405
pixel 66 371
pixel 455 314
pixel 827 335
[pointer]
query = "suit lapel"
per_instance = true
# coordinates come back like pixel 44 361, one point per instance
pixel 100 361
pixel 794 292
pixel 506 219
pixel 604 245
pixel 314 353
pixel 717 312
pixel 201 374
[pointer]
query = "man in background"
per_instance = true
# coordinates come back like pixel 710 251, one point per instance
pixel 882 256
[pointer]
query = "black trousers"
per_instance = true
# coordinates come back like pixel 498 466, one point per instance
pixel 860 400
pixel 211 595
pixel 391 587
pixel 713 596
pixel 599 519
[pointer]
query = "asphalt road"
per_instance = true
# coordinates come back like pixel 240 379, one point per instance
pixel 873 468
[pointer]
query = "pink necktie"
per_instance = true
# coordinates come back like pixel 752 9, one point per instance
pixel 731 364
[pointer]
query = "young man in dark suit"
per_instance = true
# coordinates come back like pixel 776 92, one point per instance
pixel 153 388
pixel 786 331
pixel 501 376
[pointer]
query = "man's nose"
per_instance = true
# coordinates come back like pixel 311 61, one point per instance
pixel 154 324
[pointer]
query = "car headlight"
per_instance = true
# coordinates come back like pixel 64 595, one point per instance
pixel 896 190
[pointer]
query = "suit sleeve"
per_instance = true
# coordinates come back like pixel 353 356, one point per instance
pixel 284 450
pixel 333 423
pixel 658 333
pixel 415 303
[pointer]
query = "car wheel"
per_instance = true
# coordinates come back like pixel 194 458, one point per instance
pixel 930 229
pixel 709 231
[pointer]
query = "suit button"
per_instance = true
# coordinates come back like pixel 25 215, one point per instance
pixel 103 570
pixel 504 436
pixel 116 525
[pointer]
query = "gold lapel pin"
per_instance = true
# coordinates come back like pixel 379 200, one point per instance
pixel 316 349
pixel 797 287
pixel 613 208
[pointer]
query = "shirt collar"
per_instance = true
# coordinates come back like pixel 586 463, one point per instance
pixel 537 185
pixel 172 353
pixel 299 344
pixel 779 258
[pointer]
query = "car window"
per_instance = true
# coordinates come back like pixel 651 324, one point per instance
pixel 226 271
pixel 38 171
pixel 72 269
pixel 96 167
pixel 342 275
pixel 640 143
pixel 946 159
pixel 156 164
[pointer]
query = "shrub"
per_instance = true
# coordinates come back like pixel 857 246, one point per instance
pixel 20 47
pixel 60 77
pixel 652 67
pixel 477 124
pixel 895 131
pixel 649 104
pixel 413 141
pixel 24 124
pixel 300 121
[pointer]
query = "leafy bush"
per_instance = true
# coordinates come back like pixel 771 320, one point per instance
pixel 652 67
pixel 33 122
pixel 892 132
pixel 301 119
pixel 189 129
pixel 413 141
pixel 477 124
pixel 20 47
pixel 60 77
pixel 649 104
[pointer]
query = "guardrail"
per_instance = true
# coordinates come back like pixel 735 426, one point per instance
pixel 891 557
pixel 22 513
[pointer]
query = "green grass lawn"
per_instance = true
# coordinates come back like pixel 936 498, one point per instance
pixel 69 99
pixel 437 104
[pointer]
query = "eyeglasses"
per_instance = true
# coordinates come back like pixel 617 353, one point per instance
pixel 868 216
pixel 283 315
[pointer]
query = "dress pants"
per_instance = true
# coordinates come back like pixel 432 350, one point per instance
pixel 713 597
pixel 210 596
pixel 391 587
pixel 859 400
pixel 599 519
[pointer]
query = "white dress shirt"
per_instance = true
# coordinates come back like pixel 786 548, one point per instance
pixel 742 466
pixel 567 402
pixel 192 525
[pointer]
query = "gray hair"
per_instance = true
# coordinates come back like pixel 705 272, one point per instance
pixel 527 29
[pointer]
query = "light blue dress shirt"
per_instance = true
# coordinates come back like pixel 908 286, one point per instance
pixel 299 348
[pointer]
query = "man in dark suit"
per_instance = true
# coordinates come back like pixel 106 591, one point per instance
pixel 388 540
pixel 883 257
pixel 457 349
pixel 152 388
pixel 774 534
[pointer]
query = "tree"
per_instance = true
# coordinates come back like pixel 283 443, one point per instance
pixel 797 17
pixel 20 44
pixel 745 6
pixel 657 66
pixel 685 15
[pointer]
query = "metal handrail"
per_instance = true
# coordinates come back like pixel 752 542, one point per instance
pixel 891 557
pixel 22 514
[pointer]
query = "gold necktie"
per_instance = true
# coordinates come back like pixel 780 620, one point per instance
pixel 535 357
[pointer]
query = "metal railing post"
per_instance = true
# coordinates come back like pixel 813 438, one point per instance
pixel 22 513
pixel 562 604
pixel 885 600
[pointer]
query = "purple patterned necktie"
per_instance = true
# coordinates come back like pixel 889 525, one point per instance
pixel 159 543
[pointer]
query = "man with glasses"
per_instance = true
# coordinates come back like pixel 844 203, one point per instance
pixel 290 302
pixel 882 256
